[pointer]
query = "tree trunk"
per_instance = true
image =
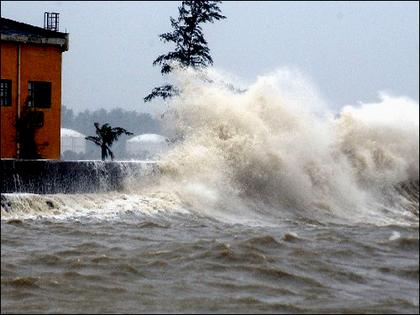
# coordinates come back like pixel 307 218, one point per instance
pixel 103 152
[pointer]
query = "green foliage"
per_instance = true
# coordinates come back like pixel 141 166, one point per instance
pixel 164 91
pixel 106 135
pixel 190 45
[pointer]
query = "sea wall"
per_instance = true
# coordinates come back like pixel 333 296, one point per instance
pixel 52 176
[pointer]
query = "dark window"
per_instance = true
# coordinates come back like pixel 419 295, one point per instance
pixel 6 92
pixel 39 94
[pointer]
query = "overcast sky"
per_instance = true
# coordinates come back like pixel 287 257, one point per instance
pixel 350 50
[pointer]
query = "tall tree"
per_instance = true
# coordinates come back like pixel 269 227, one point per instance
pixel 190 46
pixel 106 135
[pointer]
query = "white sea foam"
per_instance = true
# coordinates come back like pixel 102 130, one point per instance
pixel 395 235
pixel 101 206
pixel 276 146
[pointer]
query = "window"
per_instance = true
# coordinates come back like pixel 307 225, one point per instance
pixel 6 92
pixel 39 94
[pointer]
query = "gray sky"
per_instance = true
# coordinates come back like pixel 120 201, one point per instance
pixel 350 50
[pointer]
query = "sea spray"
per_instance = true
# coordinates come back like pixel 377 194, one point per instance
pixel 274 148
pixel 264 154
pixel 98 206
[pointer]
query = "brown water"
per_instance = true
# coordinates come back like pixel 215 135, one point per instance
pixel 133 261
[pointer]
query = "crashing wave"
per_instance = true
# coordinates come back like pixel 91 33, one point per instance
pixel 275 151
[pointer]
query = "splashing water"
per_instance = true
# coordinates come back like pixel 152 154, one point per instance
pixel 272 151
pixel 275 149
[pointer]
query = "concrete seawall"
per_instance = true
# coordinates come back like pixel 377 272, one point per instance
pixel 51 176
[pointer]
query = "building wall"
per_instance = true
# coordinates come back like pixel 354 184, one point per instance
pixel 8 56
pixel 38 63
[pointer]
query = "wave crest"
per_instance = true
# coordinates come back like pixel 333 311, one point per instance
pixel 276 148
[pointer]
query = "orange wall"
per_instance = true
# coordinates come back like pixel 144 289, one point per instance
pixel 8 113
pixel 38 63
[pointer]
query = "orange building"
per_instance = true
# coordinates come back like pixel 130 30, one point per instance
pixel 30 88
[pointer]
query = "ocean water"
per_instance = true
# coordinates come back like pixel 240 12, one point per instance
pixel 269 203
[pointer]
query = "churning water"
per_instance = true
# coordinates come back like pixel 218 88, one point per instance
pixel 268 204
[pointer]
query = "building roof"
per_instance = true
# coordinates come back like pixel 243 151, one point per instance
pixel 71 133
pixel 25 33
pixel 149 138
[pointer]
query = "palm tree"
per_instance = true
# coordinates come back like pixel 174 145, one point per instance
pixel 106 135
